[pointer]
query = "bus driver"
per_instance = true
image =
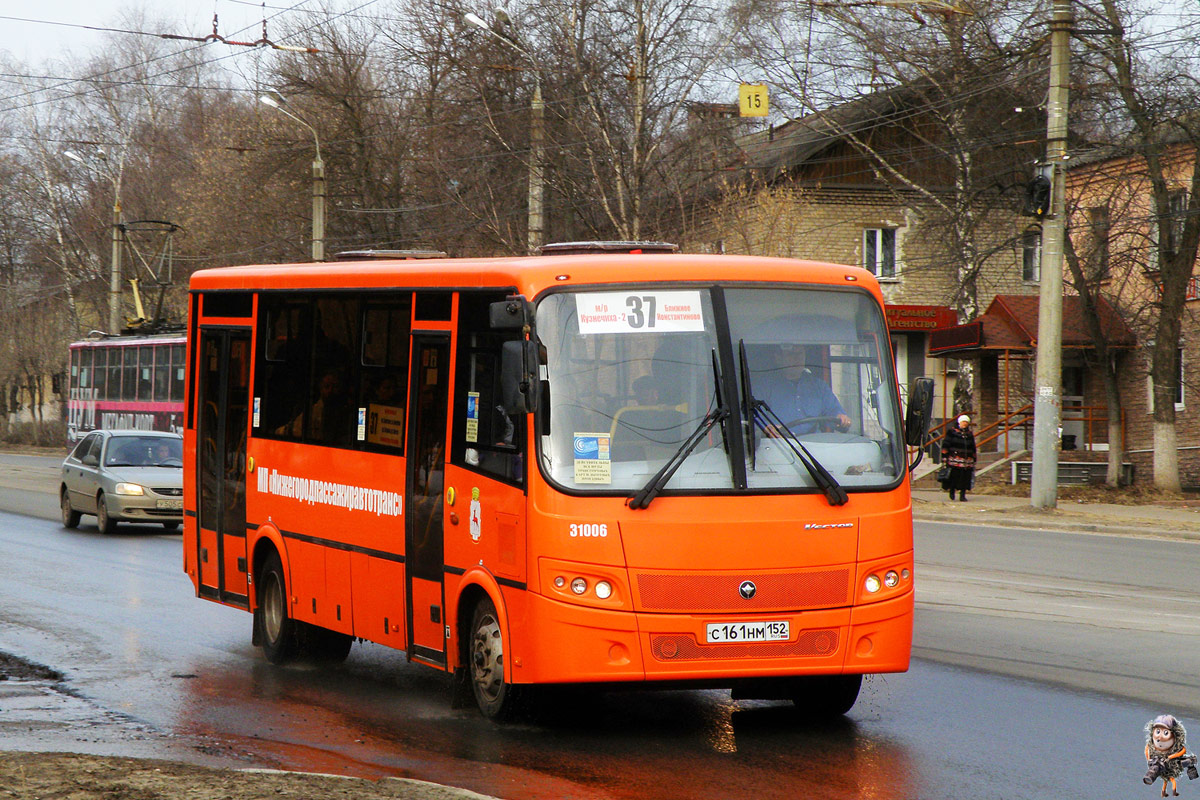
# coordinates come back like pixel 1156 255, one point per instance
pixel 794 393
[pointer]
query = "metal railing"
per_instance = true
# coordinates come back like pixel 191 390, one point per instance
pixel 1094 419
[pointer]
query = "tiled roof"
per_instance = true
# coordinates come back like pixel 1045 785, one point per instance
pixel 1011 323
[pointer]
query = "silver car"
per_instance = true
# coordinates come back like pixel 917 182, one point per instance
pixel 124 476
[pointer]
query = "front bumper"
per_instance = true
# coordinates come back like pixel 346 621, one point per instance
pixel 558 642
pixel 145 508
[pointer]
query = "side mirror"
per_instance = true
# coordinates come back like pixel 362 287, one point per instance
pixel 90 460
pixel 519 384
pixel 920 411
pixel 512 313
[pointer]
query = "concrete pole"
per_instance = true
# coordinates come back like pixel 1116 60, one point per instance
pixel 114 282
pixel 537 164
pixel 1047 403
pixel 318 209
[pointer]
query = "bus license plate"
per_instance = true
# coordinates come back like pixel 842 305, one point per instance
pixel 171 505
pixel 723 632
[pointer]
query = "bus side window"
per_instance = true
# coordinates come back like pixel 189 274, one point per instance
pixel 162 372
pixel 282 380
pixel 113 391
pixel 100 373
pixel 145 384
pixel 129 373
pixel 486 439
pixel 330 417
pixel 178 367
pixel 383 390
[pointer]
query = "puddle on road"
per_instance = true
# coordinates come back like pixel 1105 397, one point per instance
pixel 40 713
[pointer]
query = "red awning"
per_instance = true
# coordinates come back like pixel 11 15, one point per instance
pixel 1011 323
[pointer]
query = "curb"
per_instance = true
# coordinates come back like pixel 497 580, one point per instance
pixel 1133 528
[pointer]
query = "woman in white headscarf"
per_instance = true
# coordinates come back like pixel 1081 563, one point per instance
pixel 958 453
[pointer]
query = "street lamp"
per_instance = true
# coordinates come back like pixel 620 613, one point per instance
pixel 114 279
pixel 537 155
pixel 276 100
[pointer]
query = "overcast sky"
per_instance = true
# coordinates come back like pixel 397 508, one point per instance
pixel 40 30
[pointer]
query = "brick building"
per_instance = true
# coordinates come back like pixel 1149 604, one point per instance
pixel 814 188
pixel 1120 239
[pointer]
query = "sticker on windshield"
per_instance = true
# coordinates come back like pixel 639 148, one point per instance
pixel 593 460
pixel 639 312
pixel 472 417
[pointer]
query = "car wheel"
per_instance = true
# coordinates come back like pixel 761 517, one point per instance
pixel 104 522
pixel 277 632
pixel 70 517
pixel 826 695
pixel 495 698
pixel 170 527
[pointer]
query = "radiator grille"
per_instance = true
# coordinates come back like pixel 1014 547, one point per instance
pixel 684 647
pixel 719 593
pixel 168 491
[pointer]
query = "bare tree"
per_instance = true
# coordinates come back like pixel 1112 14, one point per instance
pixel 953 83
pixel 1155 93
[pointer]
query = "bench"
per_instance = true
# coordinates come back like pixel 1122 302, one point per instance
pixel 1073 472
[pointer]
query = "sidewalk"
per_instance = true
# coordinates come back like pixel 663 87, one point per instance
pixel 934 505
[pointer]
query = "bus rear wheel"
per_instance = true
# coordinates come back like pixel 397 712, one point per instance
pixel 277 632
pixel 826 695
pixel 496 698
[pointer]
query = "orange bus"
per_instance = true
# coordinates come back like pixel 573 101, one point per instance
pixel 621 469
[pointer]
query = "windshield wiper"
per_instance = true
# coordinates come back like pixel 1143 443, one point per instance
pixel 643 497
pixel 760 414
pixel 748 402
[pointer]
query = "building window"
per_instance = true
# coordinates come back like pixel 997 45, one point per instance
pixel 879 252
pixel 1171 228
pixel 1101 228
pixel 1031 255
pixel 1179 372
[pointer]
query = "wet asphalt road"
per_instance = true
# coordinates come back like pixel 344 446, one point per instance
pixel 117 615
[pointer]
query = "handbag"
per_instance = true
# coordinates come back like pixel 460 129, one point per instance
pixel 943 474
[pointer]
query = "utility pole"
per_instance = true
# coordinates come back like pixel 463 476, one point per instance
pixel 537 161
pixel 276 101
pixel 114 278
pixel 318 212
pixel 536 232
pixel 1047 403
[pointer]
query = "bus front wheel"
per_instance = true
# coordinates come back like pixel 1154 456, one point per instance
pixel 495 698
pixel 277 632
pixel 826 695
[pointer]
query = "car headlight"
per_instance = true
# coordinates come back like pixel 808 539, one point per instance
pixel 129 488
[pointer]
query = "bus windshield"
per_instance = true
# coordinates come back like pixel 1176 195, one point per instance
pixel 631 377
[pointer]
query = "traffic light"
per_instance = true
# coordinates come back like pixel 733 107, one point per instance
pixel 1037 197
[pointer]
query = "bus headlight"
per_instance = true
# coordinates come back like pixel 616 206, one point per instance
pixel 578 585
pixel 129 488
pixel 872 584
pixel 890 579
pixel 604 590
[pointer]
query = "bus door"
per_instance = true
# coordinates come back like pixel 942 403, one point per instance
pixel 424 557
pixel 224 399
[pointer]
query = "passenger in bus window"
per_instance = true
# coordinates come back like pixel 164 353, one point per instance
pixel 803 401
pixel 645 391
pixel 328 417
